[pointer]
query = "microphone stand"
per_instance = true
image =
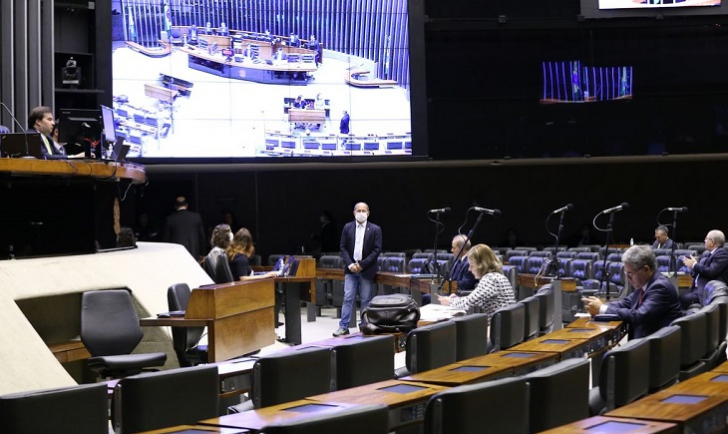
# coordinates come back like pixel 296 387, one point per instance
pixel 435 265
pixel 448 278
pixel 673 266
pixel 605 271
pixel 553 267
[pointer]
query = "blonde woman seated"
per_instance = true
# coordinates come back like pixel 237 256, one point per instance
pixel 239 253
pixel 494 290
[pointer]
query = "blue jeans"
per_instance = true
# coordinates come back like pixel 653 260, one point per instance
pixel 352 284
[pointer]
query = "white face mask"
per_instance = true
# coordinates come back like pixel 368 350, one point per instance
pixel 231 236
pixel 361 217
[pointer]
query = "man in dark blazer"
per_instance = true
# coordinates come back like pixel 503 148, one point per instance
pixel 361 244
pixel 40 120
pixel 185 227
pixel 662 240
pixel 653 303
pixel 713 266
pixel 461 269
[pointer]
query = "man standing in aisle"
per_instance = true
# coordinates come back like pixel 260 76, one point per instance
pixel 185 227
pixel 361 244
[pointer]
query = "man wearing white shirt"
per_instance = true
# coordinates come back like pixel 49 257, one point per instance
pixel 361 244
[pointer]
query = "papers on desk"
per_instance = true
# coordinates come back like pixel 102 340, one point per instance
pixel 438 312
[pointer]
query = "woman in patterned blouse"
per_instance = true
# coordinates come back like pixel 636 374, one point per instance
pixel 494 290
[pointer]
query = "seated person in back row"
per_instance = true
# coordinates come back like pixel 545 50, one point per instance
pixel 652 305
pixel 662 240
pixel 494 291
pixel 712 266
pixel 239 253
pixel 461 270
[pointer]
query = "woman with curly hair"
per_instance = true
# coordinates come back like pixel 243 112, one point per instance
pixel 239 252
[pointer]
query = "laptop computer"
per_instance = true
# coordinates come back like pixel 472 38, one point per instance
pixel 282 266
pixel 19 145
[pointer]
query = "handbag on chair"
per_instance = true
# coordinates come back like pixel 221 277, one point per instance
pixel 393 313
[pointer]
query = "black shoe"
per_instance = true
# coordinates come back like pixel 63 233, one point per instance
pixel 278 324
pixel 341 332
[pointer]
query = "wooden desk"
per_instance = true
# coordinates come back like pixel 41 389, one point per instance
pixel 238 317
pixel 259 418
pixel 708 383
pixel 69 351
pixel 583 323
pixel 707 414
pixel 306 115
pixel 298 288
pixel 565 348
pixel 721 368
pixel 404 408
pixel 76 169
pixel 599 340
pixel 196 428
pixel 530 281
pixel 587 426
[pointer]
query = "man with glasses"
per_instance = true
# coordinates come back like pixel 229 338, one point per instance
pixel 653 303
pixel 713 266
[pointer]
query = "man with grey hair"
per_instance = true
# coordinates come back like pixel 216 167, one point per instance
pixel 653 303
pixel 461 270
pixel 713 266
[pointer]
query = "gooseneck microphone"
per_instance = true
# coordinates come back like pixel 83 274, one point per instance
pixel 617 208
pixel 440 210
pixel 18 124
pixel 677 209
pixel 493 212
pixel 567 207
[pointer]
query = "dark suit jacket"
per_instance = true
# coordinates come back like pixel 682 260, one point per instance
pixel 461 273
pixel 660 306
pixel 55 154
pixel 667 245
pixel 370 250
pixel 185 227
pixel 712 267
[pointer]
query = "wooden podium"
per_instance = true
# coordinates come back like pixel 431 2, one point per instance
pixel 238 317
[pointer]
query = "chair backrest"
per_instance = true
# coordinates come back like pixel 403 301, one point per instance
pixel 499 406
pixel 272 259
pixel 79 409
pixel 624 376
pixel 516 252
pixel 692 343
pixel 422 255
pixel 564 266
pixel 555 249
pixel 363 360
pixel 534 264
pixel 527 248
pixel 394 264
pixel 277 377
pixel 698 247
pixel 366 419
pixel 472 336
pixel 558 394
pixel 184 338
pixel 663 263
pixel 507 326
pixel 723 324
pixel 580 249
pixel 546 299
pixel 581 269
pixel 592 256
pixel 542 253
pixel 566 254
pixel 398 254
pixel 217 267
pixel 616 273
pixel 533 311
pixel 330 262
pixel 448 257
pixel 511 272
pixel 109 323
pixel 604 252
pixel 417 265
pixel 714 291
pixel 519 262
pixel 431 346
pixel 664 365
pixel 156 400
pixel 712 317
pixel 614 257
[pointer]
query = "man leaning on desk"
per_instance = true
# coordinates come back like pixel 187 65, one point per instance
pixel 653 303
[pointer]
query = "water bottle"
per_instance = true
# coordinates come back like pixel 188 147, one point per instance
pixel 631 241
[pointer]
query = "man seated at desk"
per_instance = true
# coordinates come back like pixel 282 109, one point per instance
pixel 662 240
pixel 461 270
pixel 653 303
pixel 713 266
pixel 40 120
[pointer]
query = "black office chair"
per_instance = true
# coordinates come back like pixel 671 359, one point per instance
pixel 713 343
pixel 290 375
pixel 499 406
pixel 545 297
pixel 559 394
pixel 507 327
pixel 161 399
pixel 664 363
pixel 624 377
pixel 692 344
pixel 533 310
pixel 185 339
pixel 363 360
pixel 110 331
pixel 77 409
pixel 472 336
pixel 366 419
pixel 217 267
pixel 430 347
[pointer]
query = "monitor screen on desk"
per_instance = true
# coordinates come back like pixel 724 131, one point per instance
pixel 358 65
pixel 78 125
pixel 107 115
